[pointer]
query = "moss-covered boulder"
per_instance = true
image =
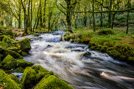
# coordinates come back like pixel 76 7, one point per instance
pixel 9 62
pixel 22 63
pixel 7 41
pixel 6 82
pixel 25 45
pixel 32 75
pixel 13 77
pixel 13 53
pixel 52 82
pixel 5 51
pixel 29 77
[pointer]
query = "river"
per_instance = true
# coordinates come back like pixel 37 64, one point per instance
pixel 95 71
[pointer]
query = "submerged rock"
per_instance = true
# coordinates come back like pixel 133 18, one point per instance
pixel 6 82
pixel 52 82
pixel 87 54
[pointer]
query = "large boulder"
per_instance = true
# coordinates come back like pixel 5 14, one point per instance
pixel 25 45
pixel 52 82
pixel 32 75
pixel 6 51
pixel 10 62
pixel 6 82
pixel 7 41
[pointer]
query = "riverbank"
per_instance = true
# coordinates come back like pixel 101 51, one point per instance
pixel 11 61
pixel 114 42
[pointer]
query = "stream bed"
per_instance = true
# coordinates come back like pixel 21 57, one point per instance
pixel 95 71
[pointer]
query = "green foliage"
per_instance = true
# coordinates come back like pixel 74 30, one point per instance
pixel 52 82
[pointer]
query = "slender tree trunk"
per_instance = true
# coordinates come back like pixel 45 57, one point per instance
pixel 31 26
pixel 101 17
pixel 19 20
pixel 44 16
pixel 85 17
pixel 41 14
pixel 113 17
pixel 127 22
pixel 93 16
pixel 68 16
pixel 110 14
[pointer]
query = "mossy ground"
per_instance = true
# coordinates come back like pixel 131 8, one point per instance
pixel 116 43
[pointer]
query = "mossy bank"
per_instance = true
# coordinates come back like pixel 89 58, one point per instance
pixel 117 44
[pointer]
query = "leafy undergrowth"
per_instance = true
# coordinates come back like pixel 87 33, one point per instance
pixel 114 42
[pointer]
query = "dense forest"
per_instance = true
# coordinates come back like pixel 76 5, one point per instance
pixel 66 44
pixel 66 14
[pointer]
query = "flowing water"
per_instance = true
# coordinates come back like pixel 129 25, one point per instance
pixel 66 60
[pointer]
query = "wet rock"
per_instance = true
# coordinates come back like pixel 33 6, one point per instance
pixel 29 77
pixel 6 82
pixel 87 54
pixel 13 77
pixel 9 62
pixel 7 41
pixel 25 45
pixel 32 75
pixel 22 63
pixel 52 82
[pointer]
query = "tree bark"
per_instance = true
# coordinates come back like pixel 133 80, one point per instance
pixel 93 16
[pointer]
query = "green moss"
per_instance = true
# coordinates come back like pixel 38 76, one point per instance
pixel 106 31
pixel 52 82
pixel 13 77
pixel 9 62
pixel 29 78
pixel 13 53
pixel 39 68
pixel 9 32
pixel 7 82
pixel 7 41
pixel 19 70
pixel 25 45
pixel 41 72
pixel 32 75
pixel 22 63
pixel 16 49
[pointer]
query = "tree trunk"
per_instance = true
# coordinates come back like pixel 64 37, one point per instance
pixel 31 26
pixel 110 14
pixel 68 16
pixel 44 16
pixel 127 22
pixel 93 16
pixel 19 20
pixel 101 17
